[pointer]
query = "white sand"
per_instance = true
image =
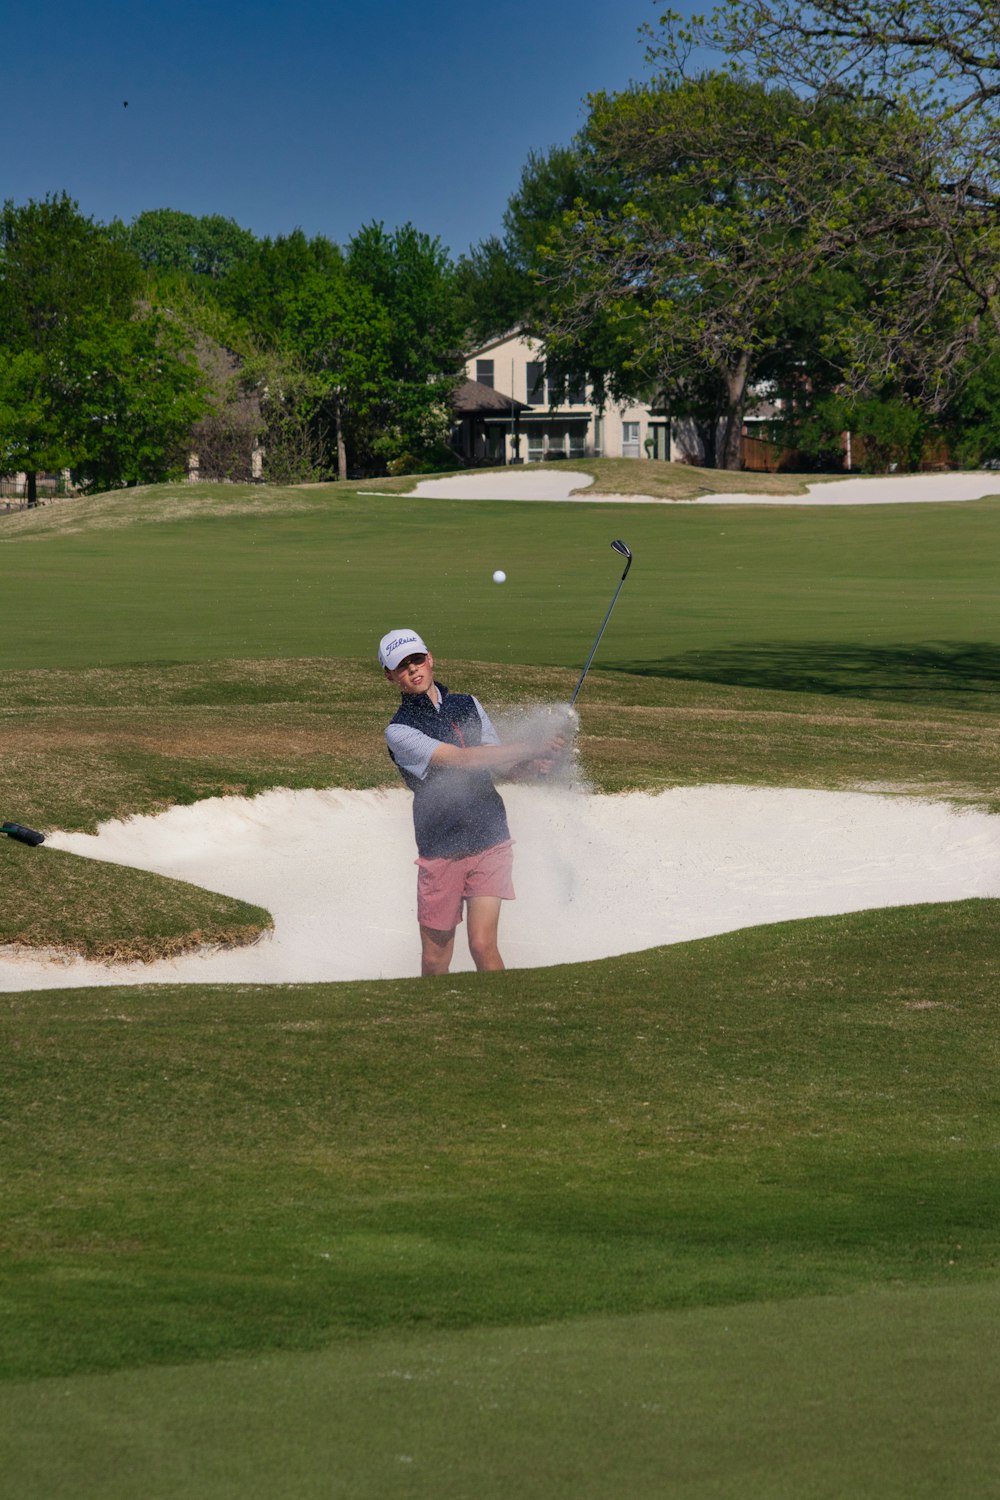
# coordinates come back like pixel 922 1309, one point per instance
pixel 595 875
pixel 536 482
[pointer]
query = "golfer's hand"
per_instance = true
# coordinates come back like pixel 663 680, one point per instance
pixel 550 754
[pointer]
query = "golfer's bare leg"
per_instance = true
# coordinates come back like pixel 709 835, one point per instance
pixel 436 949
pixel 482 914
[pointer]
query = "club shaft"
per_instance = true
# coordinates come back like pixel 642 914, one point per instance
pixel 597 642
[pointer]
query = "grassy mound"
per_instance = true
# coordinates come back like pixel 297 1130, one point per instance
pixel 58 901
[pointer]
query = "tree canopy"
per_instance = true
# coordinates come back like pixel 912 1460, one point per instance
pixel 931 70
pixel 91 376
pixel 716 202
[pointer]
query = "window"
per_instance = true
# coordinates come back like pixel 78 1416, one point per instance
pixel 577 390
pixel 536 446
pixel 557 389
pixel 577 441
pixel 484 372
pixel 536 382
pixel 630 440
pixel 598 436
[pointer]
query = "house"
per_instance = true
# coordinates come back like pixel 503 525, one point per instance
pixel 510 410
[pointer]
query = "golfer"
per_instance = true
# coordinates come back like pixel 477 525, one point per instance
pixel 446 750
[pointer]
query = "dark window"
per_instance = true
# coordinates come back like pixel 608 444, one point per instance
pixel 557 389
pixel 577 390
pixel 484 372
pixel 536 382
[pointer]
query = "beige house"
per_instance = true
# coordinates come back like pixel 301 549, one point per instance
pixel 511 411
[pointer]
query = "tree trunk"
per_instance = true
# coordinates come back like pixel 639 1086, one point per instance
pixel 708 437
pixel 32 488
pixel 736 390
pixel 341 445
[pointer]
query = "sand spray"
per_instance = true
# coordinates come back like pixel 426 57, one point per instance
pixel 557 868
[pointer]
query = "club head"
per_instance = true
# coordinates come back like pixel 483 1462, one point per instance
pixel 621 548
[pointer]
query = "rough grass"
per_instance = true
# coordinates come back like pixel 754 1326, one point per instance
pixel 84 747
pixel 150 505
pixel 67 905
pixel 624 476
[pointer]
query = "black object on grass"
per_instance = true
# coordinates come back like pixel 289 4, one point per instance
pixel 22 834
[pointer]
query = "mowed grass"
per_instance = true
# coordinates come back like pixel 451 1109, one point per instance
pixel 789 1111
pixel 884 600
pixel 887 1393
pixel 712 1220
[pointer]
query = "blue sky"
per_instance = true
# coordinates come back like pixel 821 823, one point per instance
pixel 321 116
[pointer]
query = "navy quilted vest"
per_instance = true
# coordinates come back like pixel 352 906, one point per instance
pixel 455 813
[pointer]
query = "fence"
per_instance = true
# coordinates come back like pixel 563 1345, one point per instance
pixel 14 487
pixel 761 456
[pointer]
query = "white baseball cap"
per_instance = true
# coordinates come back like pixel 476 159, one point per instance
pixel 397 646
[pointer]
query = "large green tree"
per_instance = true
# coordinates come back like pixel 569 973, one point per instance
pixel 410 276
pixel 374 332
pixel 164 239
pixel 931 69
pixel 91 376
pixel 718 203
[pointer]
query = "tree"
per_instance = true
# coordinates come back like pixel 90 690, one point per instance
pixel 493 292
pixel 411 278
pixel 90 376
pixel 166 240
pixel 138 394
pixel 937 54
pixel 932 70
pixel 342 335
pixel 719 201
pixel 496 283
pixel 375 332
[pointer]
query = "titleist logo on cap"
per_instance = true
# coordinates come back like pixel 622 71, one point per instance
pixel 397 645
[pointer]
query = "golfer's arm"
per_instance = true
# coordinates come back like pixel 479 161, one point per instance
pixel 482 757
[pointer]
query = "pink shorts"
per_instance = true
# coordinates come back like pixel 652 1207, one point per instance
pixel 443 884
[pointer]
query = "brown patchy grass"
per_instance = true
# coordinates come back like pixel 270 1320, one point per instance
pixel 150 505
pixel 66 905
pixel 83 747
pixel 626 476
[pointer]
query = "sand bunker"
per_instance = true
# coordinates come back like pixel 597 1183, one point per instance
pixel 537 483
pixel 595 875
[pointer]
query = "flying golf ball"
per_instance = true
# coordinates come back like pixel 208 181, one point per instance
pixel 499 576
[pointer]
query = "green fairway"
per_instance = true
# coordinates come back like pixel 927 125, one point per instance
pixel 711 1220
pixel 890 1394
pixel 885 600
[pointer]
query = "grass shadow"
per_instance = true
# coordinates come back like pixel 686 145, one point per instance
pixel 954 674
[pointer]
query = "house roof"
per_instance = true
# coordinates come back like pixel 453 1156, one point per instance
pixel 473 399
pixel 503 338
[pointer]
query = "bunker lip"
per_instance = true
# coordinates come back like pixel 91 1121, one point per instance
pixel 595 875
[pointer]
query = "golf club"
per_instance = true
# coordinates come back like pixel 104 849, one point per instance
pixel 22 834
pixel 618 547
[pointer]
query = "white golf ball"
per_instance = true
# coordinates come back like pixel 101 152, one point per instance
pixel 499 576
